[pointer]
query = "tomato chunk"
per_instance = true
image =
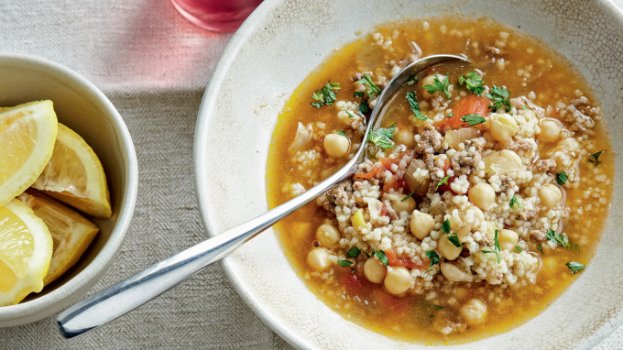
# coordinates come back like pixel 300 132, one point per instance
pixel 396 185
pixel 395 260
pixel 376 170
pixel 387 162
pixel 470 104
pixel 354 282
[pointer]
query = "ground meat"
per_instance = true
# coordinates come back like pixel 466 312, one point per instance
pixel 545 165
pixel 525 147
pixel 338 195
pixel 436 173
pixel 428 141
pixel 389 209
pixel 466 163
pixel 477 143
pixel 580 114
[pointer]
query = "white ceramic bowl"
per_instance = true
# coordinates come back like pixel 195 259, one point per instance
pixel 274 51
pixel 85 109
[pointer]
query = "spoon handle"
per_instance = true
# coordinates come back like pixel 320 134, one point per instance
pixel 135 291
pixel 144 286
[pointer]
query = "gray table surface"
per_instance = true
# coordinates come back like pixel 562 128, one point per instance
pixel 154 66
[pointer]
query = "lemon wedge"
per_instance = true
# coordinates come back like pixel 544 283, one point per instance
pixel 71 232
pixel 75 175
pixel 25 252
pixel 27 137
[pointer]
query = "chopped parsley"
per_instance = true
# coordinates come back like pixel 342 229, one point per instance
pixel 438 307
pixel 371 88
pixel 454 239
pixel 433 257
pixel 364 107
pixel 415 106
pixel 517 249
pixel 515 202
pixel 407 196
pixel 560 239
pixel 594 157
pixel 344 263
pixel 326 95
pixel 353 253
pixel 496 241
pixel 473 119
pixel 575 266
pixel 352 114
pixel 446 226
pixel 442 85
pixel 499 97
pixel 539 247
pixel 359 94
pixel 382 137
pixel 472 81
pixel 381 256
pixel 443 181
pixel 341 132
pixel 561 178
pixel 496 248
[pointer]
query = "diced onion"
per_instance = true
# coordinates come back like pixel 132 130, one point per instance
pixel 302 138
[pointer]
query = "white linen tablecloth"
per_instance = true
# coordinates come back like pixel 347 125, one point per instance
pixel 154 66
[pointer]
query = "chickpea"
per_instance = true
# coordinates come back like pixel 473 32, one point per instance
pixel 482 195
pixel 400 203
pixel 474 312
pixel 398 280
pixel 374 270
pixel 502 127
pixel 550 130
pixel 327 235
pixel 508 239
pixel 448 249
pixel 502 162
pixel 405 137
pixel 421 224
pixel 430 80
pixel 550 195
pixel 454 274
pixel 319 259
pixel 336 146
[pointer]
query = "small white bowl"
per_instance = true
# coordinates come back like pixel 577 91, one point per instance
pixel 277 47
pixel 84 108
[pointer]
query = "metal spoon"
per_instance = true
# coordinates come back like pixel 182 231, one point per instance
pixel 135 291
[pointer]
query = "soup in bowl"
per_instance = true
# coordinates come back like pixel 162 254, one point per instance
pixel 483 193
pixel 246 125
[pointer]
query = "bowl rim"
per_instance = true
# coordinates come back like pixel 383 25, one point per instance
pixel 66 293
pixel 234 46
pixel 209 100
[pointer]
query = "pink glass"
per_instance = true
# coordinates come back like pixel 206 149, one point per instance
pixel 216 15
